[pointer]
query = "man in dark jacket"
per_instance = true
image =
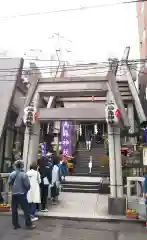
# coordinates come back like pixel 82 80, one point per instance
pixel 20 185
pixel 45 170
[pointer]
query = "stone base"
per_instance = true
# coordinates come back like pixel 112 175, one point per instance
pixel 117 206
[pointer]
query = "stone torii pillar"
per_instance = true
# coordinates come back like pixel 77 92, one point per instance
pixel 31 140
pixel 116 200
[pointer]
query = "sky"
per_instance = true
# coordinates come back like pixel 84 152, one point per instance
pixel 94 34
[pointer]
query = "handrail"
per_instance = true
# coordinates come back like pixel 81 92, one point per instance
pixel 139 185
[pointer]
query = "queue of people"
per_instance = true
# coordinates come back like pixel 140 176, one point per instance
pixel 30 189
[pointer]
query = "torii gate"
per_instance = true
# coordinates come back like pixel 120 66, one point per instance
pixel 85 86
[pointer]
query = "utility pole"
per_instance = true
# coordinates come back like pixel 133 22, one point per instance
pixel 59 49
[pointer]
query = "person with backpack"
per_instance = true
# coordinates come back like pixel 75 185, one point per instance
pixel 20 185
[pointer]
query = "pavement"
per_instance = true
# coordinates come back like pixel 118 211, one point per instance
pixel 82 206
pixel 83 179
pixel 55 229
pixel 79 205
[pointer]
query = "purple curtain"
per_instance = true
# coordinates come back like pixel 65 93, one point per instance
pixel 66 131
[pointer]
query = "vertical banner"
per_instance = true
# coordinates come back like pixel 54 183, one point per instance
pixel 145 134
pixel 66 137
pixel 43 149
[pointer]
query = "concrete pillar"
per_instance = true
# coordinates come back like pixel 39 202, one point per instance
pixel 118 161
pixel 18 141
pixel 116 200
pixel 9 141
pixel 112 166
pixel 57 131
pixel 34 143
pixel 130 110
pixel 26 147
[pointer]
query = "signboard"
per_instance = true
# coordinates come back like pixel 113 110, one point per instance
pixel 66 131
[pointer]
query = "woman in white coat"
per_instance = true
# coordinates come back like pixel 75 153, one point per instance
pixel 33 195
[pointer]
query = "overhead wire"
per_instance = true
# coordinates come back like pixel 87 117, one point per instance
pixel 53 77
pixel 63 68
pixel 11 72
pixel 74 67
pixel 81 8
pixel 79 63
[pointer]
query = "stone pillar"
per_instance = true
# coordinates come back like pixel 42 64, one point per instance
pixel 34 143
pixel 18 141
pixel 57 131
pixel 26 147
pixel 116 200
pixel 31 140
pixel 112 166
pixel 118 160
pixel 130 111
pixel 9 142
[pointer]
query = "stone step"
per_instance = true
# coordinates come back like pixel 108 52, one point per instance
pixel 83 157
pixel 87 170
pixel 79 186
pixel 86 166
pixel 83 187
pixel 91 152
pixel 78 190
pixel 87 161
pixel 70 182
pixel 100 174
pixel 94 156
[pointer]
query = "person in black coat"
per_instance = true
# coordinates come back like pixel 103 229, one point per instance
pixel 46 177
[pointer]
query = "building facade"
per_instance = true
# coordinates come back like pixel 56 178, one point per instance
pixel 142 31
pixel 142 28
pixel 13 93
pixel 12 101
